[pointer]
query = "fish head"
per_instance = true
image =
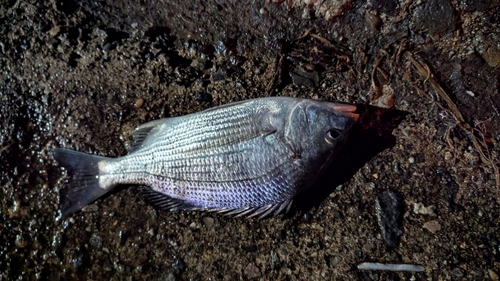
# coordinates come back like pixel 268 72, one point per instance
pixel 316 130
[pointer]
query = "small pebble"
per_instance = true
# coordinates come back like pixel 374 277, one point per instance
pixel 280 235
pixel 448 156
pixel 493 275
pixel 20 242
pixel 107 47
pixel 139 102
pixel 55 30
pixel 396 167
pixel 419 208
pixel 458 272
pixel 307 217
pixel 373 20
pixel 90 208
pixel 202 96
pixel 95 241
pixel 14 210
pixel 252 271
pixel 153 213
pixel 208 221
pixel 411 160
pixel 119 267
pixel 491 55
pixel 358 254
pixel 334 261
pixel 433 226
pixel 372 186
pixel 123 235
pixel 178 266
pixel 263 11
pixel 306 13
pixel 249 249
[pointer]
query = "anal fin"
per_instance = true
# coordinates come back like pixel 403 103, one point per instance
pixel 162 201
pixel 256 212
pixel 165 202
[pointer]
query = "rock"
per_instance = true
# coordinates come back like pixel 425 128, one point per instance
pixel 90 208
pixel 373 20
pixel 457 272
pixel 334 261
pixel 433 226
pixel 167 277
pixel 434 18
pixel 252 271
pixel 95 241
pixel 20 242
pixel 208 221
pixel 178 265
pixel 55 30
pixel 450 192
pixel 203 96
pixel 301 77
pixel 389 207
pixel 220 74
pixel 493 275
pixel 419 208
pixel 491 55
pixel 139 102
pixel 249 249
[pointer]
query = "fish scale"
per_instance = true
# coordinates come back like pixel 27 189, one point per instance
pixel 183 163
pixel 247 158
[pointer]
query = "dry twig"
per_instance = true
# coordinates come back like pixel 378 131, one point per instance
pixel 377 91
pixel 424 70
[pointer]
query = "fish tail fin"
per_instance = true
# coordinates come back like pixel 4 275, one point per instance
pixel 84 186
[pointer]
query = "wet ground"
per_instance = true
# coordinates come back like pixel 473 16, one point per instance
pixel 83 75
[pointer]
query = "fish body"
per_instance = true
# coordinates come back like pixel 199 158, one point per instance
pixel 244 158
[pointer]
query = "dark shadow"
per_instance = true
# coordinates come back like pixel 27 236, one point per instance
pixel 165 42
pixel 371 135
pixel 67 6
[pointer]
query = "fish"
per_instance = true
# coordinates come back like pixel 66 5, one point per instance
pixel 245 159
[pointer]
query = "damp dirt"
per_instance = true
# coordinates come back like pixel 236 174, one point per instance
pixel 83 74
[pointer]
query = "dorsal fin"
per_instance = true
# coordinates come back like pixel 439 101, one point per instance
pixel 227 105
pixel 141 132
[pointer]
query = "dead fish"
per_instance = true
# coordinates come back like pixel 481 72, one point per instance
pixel 247 158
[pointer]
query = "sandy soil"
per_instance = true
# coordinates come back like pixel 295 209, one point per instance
pixel 416 183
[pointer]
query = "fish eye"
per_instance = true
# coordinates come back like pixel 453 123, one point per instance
pixel 332 136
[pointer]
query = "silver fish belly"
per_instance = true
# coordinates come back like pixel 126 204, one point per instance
pixel 245 158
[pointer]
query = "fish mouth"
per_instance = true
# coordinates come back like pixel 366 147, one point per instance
pixel 347 110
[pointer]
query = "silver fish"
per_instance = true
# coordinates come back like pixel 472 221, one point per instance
pixel 247 158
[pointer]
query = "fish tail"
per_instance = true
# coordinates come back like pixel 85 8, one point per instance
pixel 84 187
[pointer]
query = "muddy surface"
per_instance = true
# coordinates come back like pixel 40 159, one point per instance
pixel 83 75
